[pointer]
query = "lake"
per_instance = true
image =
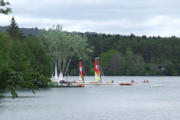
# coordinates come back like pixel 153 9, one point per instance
pixel 98 102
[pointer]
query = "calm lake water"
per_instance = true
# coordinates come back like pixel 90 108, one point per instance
pixel 109 102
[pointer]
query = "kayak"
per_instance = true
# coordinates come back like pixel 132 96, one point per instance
pixel 125 84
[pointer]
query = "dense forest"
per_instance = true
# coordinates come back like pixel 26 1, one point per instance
pixel 134 55
pixel 24 61
pixel 126 55
pixel 27 60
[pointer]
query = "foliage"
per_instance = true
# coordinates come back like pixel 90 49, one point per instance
pixel 63 47
pixel 24 62
pixel 14 31
pixel 137 55
pixel 147 55
pixel 3 7
pixel 111 62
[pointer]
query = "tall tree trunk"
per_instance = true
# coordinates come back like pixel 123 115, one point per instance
pixel 68 65
pixel 59 65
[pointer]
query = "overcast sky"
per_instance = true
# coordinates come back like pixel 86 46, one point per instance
pixel 141 17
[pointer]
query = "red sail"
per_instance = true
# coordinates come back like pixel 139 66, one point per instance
pixel 97 69
pixel 80 71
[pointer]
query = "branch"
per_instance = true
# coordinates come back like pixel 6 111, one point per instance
pixel 3 9
pixel 68 65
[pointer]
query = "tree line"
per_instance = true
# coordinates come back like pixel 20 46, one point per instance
pixel 27 61
pixel 123 54
pixel 136 55
pixel 24 61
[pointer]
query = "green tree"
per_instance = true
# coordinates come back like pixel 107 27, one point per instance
pixel 112 62
pixel 3 7
pixel 63 47
pixel 128 66
pixel 134 64
pixel 14 30
pixel 24 63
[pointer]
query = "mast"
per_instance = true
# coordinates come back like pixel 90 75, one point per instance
pixel 81 77
pixel 97 70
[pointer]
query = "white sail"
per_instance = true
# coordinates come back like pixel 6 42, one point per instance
pixel 60 77
pixel 55 75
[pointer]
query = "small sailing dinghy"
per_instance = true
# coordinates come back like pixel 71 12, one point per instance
pixel 59 81
pixel 98 75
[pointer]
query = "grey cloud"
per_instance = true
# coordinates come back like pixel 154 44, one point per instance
pixel 110 16
pixel 103 9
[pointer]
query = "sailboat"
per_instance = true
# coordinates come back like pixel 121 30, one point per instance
pixel 98 73
pixel 59 81
pixel 81 76
pixel 55 77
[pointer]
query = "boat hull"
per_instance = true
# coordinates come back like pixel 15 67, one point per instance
pixel 69 86
pixel 126 84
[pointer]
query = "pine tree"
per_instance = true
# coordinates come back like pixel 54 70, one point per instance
pixel 14 30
